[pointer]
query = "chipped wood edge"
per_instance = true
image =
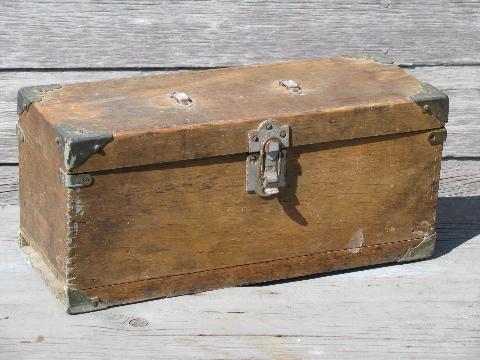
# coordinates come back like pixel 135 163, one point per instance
pixel 35 259
pixel 421 251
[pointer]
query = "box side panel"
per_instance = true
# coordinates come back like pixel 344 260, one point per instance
pixel 192 216
pixel 43 199
pixel 107 296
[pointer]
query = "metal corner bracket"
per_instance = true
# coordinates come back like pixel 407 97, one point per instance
pixel 27 95
pixel 78 145
pixel 78 303
pixel 421 251
pixel 432 101
pixel 73 181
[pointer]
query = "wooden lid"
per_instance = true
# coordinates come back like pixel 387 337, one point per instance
pixel 136 121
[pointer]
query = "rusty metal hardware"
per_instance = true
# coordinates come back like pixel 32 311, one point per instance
pixel 267 160
pixel 28 95
pixel 438 136
pixel 72 181
pixel 432 101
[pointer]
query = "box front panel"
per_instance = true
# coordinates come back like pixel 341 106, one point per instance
pixel 191 216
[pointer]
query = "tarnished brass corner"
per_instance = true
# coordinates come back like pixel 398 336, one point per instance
pixel 78 145
pixel 432 101
pixel 438 136
pixel 421 251
pixel 28 95
pixel 78 303
pixel 73 181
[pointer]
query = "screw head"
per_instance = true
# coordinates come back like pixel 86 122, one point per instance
pixel 97 148
pixel 426 109
pixel 283 133
pixel 95 302
pixel 85 180
pixel 253 159
pixel 255 138
pixel 269 126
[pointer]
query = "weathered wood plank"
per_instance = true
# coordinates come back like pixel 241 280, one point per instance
pixel 457 178
pixel 43 34
pixel 462 84
pixel 428 309
pixel 8 185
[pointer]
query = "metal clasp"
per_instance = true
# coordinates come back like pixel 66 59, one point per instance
pixel 267 160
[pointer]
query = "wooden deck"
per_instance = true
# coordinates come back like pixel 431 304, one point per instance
pixel 422 310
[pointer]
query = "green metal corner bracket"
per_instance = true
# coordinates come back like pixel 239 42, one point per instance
pixel 27 95
pixel 432 101
pixel 421 251
pixel 78 303
pixel 78 145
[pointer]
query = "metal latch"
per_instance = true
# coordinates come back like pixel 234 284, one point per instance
pixel 267 160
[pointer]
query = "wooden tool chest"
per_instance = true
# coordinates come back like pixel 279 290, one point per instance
pixel 163 185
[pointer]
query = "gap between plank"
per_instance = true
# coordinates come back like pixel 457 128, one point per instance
pixel 103 69
pixel 445 158
pixel 178 68
pixel 257 263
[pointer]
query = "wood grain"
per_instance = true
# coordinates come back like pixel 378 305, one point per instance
pixel 377 312
pixel 460 83
pixel 457 178
pixel 149 127
pixel 43 199
pixel 219 33
pixel 8 185
pixel 208 221
pixel 259 272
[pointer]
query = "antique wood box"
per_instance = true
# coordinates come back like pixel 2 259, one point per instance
pixel 171 184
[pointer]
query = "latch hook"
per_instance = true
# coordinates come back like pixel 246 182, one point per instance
pixel 266 162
